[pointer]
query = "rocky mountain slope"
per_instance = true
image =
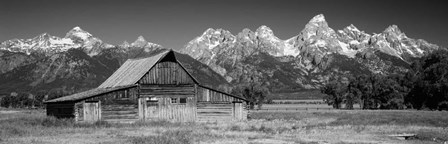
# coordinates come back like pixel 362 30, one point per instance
pixel 79 61
pixel 307 60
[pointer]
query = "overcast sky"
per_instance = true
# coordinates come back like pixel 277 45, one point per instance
pixel 173 23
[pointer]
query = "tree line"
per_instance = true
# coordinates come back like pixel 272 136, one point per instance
pixel 424 86
pixel 29 100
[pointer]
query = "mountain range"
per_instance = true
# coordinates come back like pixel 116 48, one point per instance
pixel 307 60
pixel 80 61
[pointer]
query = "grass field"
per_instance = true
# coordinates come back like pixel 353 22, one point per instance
pixel 324 126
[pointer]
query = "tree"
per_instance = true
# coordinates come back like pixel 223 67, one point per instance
pixel 254 91
pixel 335 91
pixel 430 81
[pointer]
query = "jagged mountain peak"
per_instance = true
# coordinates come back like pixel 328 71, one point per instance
pixel 215 32
pixel 264 31
pixel 140 38
pixel 318 27
pixel 393 29
pixel 139 42
pixel 318 18
pixel 264 28
pixel 77 28
pixel 246 32
pixel 77 32
pixel 42 36
pixel 352 27
pixel 209 30
pixel 125 44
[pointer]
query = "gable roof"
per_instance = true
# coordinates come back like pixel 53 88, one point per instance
pixel 87 94
pixel 132 70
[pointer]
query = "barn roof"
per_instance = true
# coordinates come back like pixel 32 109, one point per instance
pixel 132 70
pixel 89 93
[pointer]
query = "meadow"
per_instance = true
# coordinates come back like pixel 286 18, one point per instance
pixel 313 127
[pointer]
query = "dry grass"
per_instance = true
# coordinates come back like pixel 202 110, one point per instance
pixel 32 126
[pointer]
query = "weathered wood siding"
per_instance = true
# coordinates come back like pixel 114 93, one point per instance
pixel 61 110
pixel 160 105
pixel 119 106
pixel 166 90
pixel 218 106
pixel 167 73
pixel 208 95
pixel 175 112
pixel 213 111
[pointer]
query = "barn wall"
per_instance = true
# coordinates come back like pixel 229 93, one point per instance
pixel 167 73
pixel 118 106
pixel 211 112
pixel 156 102
pixel 61 110
pixel 207 95
pixel 217 106
pixel 176 112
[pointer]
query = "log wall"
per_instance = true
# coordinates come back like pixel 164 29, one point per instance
pixel 208 95
pixel 119 106
pixel 212 112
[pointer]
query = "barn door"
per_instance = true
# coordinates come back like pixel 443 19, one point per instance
pixel 92 111
pixel 238 111
pixel 152 108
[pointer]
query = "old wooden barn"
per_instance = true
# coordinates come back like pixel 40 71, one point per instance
pixel 156 87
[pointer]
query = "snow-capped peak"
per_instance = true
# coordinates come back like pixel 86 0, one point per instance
pixel 141 38
pixel 125 44
pixel 139 42
pixel 392 28
pixel 318 18
pixel 208 31
pixel 77 32
pixel 352 27
pixel 264 31
pixel 77 28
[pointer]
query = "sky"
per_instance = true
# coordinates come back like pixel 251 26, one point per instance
pixel 173 24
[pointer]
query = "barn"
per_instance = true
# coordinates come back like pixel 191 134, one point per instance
pixel 157 87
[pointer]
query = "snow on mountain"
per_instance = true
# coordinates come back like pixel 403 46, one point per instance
pixel 316 35
pixel 75 38
pixel 124 45
pixel 139 42
pixel 77 32
pixel 308 59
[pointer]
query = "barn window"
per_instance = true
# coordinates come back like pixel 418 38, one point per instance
pixel 173 100
pixel 183 100
pixel 123 94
